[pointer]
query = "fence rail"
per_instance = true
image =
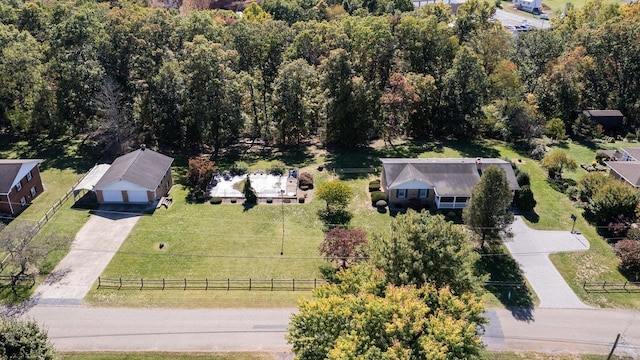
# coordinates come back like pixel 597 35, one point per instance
pixel 25 280
pixel 611 287
pixel 211 284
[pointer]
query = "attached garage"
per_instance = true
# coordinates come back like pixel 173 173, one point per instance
pixel 138 177
pixel 136 196
pixel 111 196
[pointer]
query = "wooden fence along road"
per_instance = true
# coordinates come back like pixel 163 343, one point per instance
pixel 211 284
pixel 604 287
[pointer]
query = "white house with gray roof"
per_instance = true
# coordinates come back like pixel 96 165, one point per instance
pixel 444 183
pixel 142 176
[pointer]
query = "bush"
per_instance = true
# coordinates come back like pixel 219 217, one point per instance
pixel 524 199
pixel 269 200
pixel 573 193
pixel 233 200
pixel 286 201
pixel 634 234
pixel 377 196
pixel 373 186
pixel 601 157
pixel 398 205
pixel 199 195
pixel 631 137
pixel 538 152
pixel 629 253
pixel 277 169
pixel 301 200
pixel 415 204
pixel 239 168
pixel 216 200
pixel 523 179
pixel 381 203
pixel 305 179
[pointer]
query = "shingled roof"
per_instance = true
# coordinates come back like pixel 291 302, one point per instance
pixel 11 171
pixel 449 177
pixel 142 167
pixel 628 170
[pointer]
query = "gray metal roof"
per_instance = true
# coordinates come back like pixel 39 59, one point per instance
pixel 11 171
pixel 449 177
pixel 598 113
pixel 628 170
pixel 633 151
pixel 142 167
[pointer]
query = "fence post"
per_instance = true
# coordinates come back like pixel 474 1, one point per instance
pixel 604 286
pixel 185 283
pixel 625 285
pixel 314 283
pixel 120 287
pixel 293 281
pixel 249 284
pixel 227 284
pixel 162 283
pixel 271 284
pixel 584 286
pixel 206 282
pixel 98 282
pixel 141 283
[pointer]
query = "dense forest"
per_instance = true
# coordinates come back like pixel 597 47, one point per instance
pixel 289 70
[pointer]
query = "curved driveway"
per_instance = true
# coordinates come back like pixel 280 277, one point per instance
pixel 531 249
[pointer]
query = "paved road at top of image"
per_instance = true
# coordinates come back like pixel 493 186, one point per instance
pixel 78 328
pixel 507 18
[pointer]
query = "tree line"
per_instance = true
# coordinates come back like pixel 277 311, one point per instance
pixel 345 72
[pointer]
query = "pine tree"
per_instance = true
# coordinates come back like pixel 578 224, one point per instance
pixel 250 196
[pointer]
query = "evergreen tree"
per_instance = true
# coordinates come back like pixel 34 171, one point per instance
pixel 250 196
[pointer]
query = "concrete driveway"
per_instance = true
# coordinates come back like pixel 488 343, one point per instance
pixel 531 249
pixel 92 250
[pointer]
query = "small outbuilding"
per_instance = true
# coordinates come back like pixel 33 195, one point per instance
pixel 142 176
pixel 608 119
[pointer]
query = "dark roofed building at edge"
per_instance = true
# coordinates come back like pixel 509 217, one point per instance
pixel 142 176
pixel 439 183
pixel 20 183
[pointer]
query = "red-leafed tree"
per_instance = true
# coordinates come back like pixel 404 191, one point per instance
pixel 344 247
pixel 629 253
pixel 200 172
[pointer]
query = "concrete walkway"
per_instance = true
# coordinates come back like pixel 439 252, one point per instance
pixel 91 252
pixel 531 249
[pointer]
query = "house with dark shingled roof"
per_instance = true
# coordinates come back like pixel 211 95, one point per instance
pixel 443 183
pixel 142 176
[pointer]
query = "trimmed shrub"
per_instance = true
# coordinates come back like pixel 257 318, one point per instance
pixel 629 253
pixel 398 205
pixel 239 168
pixel 286 201
pixel 233 200
pixel 524 199
pixel 523 178
pixel 374 186
pixel 377 196
pixel 301 200
pixel 199 195
pixel 277 169
pixel 216 200
pixel 269 200
pixel 305 179
pixel 381 203
pixel 601 157
pixel 631 137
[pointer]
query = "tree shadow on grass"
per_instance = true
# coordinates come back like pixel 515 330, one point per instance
pixel 507 283
pixel 473 148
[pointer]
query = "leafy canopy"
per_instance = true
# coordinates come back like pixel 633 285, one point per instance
pixel 336 193
pixel 419 249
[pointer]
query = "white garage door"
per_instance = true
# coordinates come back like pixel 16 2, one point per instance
pixel 137 196
pixel 112 195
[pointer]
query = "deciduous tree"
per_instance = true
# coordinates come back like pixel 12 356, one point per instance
pixel 422 249
pixel 335 193
pixel 200 173
pixel 614 199
pixel 487 213
pixel 345 247
pixel 360 317
pixel 557 161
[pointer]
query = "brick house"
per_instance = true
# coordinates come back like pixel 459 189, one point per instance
pixel 20 183
pixel 443 183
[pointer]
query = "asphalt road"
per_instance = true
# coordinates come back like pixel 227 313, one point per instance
pixel 78 328
pixel 507 18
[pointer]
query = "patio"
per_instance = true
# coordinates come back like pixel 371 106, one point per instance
pixel 265 185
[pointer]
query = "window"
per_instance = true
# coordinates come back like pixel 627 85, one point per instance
pixel 19 186
pixel 33 191
pixel 23 201
pixel 422 193
pixel 401 193
pixel 446 199
pixel 29 176
pixel 462 199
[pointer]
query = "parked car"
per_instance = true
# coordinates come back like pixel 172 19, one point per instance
pixel 544 16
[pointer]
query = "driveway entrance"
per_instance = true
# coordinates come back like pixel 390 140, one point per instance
pixel 92 250
pixel 531 249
